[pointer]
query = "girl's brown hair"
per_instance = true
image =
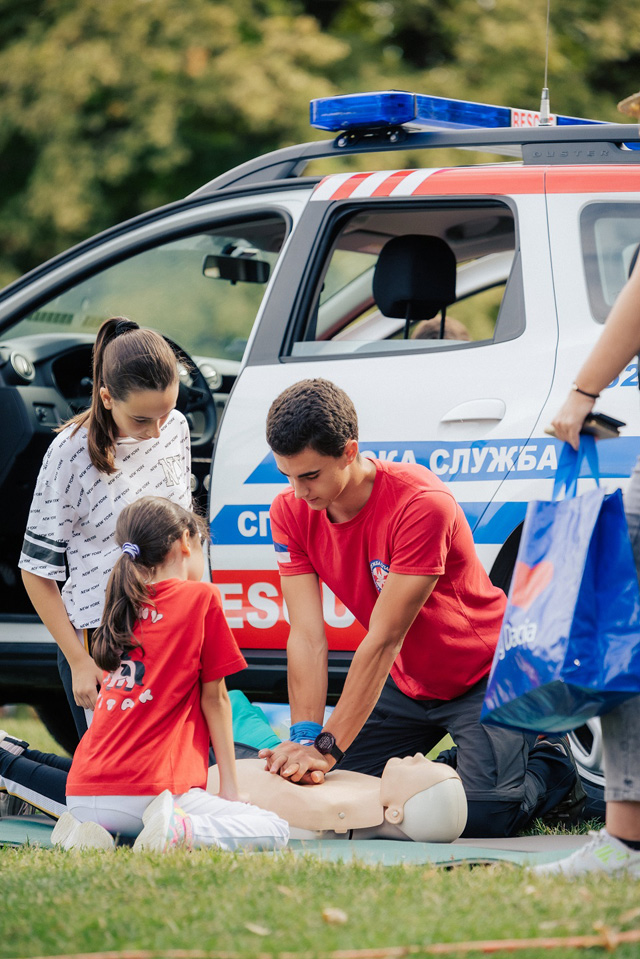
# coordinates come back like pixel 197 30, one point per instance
pixel 147 529
pixel 126 358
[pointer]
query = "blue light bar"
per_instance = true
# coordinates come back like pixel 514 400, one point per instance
pixel 392 108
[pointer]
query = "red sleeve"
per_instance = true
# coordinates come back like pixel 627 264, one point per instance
pixel 422 537
pixel 288 540
pixel 220 655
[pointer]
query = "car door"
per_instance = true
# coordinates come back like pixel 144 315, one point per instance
pixel 182 270
pixel 466 409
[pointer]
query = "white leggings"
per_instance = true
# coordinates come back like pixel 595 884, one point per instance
pixel 215 821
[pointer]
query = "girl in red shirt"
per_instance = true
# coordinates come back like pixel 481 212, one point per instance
pixel 141 768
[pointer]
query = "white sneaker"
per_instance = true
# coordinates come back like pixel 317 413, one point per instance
pixel 604 853
pixel 69 833
pixel 162 803
pixel 166 826
pixel 63 829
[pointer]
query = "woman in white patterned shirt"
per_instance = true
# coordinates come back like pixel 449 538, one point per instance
pixel 131 442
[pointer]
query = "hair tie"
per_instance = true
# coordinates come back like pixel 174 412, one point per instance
pixel 131 550
pixel 124 326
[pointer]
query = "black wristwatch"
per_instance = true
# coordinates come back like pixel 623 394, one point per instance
pixel 325 743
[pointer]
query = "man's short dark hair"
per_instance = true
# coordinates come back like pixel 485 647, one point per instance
pixel 314 414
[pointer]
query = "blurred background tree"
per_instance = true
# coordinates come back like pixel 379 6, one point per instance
pixel 113 107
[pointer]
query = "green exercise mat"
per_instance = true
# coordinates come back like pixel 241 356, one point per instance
pixel 525 851
pixel 19 830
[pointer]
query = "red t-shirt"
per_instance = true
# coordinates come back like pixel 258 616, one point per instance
pixel 148 731
pixel 410 524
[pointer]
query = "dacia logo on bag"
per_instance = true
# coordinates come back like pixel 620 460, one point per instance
pixel 528 584
pixel 513 636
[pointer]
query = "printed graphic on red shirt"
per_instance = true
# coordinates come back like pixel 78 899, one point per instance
pixel 129 674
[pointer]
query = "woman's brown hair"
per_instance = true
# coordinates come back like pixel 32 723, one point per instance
pixel 145 531
pixel 126 359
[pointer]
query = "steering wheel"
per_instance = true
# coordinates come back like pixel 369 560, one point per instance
pixel 195 397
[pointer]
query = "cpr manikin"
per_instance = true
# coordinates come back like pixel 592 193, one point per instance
pixel 415 799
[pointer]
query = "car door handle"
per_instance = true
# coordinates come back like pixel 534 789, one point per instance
pixel 486 409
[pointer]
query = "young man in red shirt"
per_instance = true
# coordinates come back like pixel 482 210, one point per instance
pixel 392 543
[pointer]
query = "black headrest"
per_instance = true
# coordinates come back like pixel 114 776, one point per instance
pixel 415 277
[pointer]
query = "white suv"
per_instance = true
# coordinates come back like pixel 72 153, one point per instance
pixel 266 276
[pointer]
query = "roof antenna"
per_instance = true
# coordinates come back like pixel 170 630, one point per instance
pixel 545 116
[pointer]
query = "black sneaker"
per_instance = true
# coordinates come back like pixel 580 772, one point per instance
pixel 569 810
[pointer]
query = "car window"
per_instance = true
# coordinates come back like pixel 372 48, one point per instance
pixel 203 290
pixel 610 238
pixel 343 316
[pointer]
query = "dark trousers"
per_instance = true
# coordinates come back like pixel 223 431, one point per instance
pixel 64 670
pixel 41 778
pixel 37 778
pixel 508 779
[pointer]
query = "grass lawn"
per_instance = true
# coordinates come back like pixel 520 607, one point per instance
pixel 57 903
pixel 54 902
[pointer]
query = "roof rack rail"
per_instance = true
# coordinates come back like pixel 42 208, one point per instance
pixel 588 144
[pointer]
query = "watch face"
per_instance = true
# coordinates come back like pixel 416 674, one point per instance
pixel 325 742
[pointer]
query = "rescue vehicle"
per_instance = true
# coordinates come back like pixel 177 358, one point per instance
pixel 266 275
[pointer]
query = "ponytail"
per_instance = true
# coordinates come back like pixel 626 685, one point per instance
pixel 127 592
pixel 126 359
pixel 145 531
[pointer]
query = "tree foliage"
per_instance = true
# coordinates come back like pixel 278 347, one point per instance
pixel 112 107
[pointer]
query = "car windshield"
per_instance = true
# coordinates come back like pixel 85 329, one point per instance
pixel 166 288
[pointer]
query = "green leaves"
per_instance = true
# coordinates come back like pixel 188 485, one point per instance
pixel 112 107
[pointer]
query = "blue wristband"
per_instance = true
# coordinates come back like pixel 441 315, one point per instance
pixel 304 732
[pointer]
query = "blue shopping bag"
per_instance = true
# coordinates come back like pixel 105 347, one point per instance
pixel 569 647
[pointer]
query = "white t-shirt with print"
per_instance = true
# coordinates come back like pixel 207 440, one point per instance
pixel 75 508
